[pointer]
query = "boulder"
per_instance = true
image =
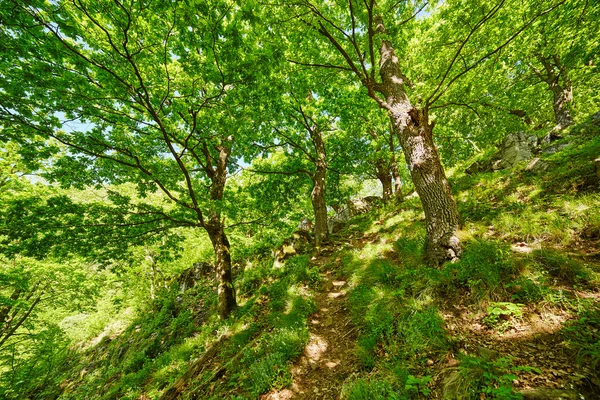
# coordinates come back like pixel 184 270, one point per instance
pixel 306 225
pixel 597 167
pixel 555 148
pixel 516 147
pixel 298 243
pixel 364 205
pixel 538 166
pixel 191 276
pixel 476 167
pixel 352 208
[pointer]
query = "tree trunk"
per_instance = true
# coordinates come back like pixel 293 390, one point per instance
pixel 216 231
pixel 563 97
pixel 225 291
pixel 412 127
pixel 383 173
pixel 556 76
pixel 317 196
pixel 395 172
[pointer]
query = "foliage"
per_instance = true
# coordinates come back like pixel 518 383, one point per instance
pixel 492 378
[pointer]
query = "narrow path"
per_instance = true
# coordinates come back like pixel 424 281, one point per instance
pixel 329 356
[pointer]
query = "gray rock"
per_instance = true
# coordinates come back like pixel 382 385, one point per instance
pixel 298 243
pixel 476 167
pixel 191 276
pixel 555 148
pixel 538 166
pixel 352 208
pixel 364 205
pixel 597 166
pixel 516 147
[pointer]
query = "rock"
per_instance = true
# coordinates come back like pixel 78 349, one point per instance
pixel 597 166
pixel 477 166
pixel 555 148
pixel 516 147
pixel 364 205
pixel 306 225
pixel 538 166
pixel 191 276
pixel 298 243
pixel 352 208
pixel 551 136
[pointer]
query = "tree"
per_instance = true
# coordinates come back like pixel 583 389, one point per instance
pixel 143 93
pixel 363 40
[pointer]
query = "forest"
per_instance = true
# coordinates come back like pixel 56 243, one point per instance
pixel 299 199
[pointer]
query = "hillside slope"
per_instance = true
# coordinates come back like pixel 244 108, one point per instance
pixel 517 317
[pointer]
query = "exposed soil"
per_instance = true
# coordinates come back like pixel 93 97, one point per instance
pixel 329 357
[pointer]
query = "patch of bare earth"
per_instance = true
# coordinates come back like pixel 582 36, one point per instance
pixel 328 357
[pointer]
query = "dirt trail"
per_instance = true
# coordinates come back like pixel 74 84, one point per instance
pixel 329 356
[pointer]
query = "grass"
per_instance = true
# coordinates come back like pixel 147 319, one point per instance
pixel 398 304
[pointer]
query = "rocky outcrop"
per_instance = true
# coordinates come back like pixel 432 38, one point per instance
pixel 352 208
pixel 538 166
pixel 296 244
pixel 516 147
pixel 190 276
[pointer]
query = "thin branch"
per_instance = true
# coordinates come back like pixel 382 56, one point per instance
pixel 430 101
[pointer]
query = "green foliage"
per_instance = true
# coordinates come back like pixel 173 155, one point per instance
pixel 269 372
pixel 417 385
pixel 499 314
pixel 484 269
pixel 370 388
pixel 583 334
pixel 562 267
pixel 491 378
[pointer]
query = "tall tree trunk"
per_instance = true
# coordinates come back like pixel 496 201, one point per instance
pixel 317 195
pixel 216 232
pixel 414 131
pixel 225 290
pixel 556 76
pixel 383 173
pixel 563 97
pixel 395 172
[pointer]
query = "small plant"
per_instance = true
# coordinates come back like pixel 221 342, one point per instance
pixel 500 313
pixel 370 389
pixel 418 385
pixel 484 378
pixel 562 267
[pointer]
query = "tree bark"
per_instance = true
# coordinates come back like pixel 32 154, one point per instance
pixel 555 75
pixel 563 97
pixel 317 195
pixel 395 172
pixel 414 131
pixel 383 173
pixel 216 232
pixel 225 290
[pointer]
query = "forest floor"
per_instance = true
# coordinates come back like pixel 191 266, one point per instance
pixel 329 357
pixel 529 348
